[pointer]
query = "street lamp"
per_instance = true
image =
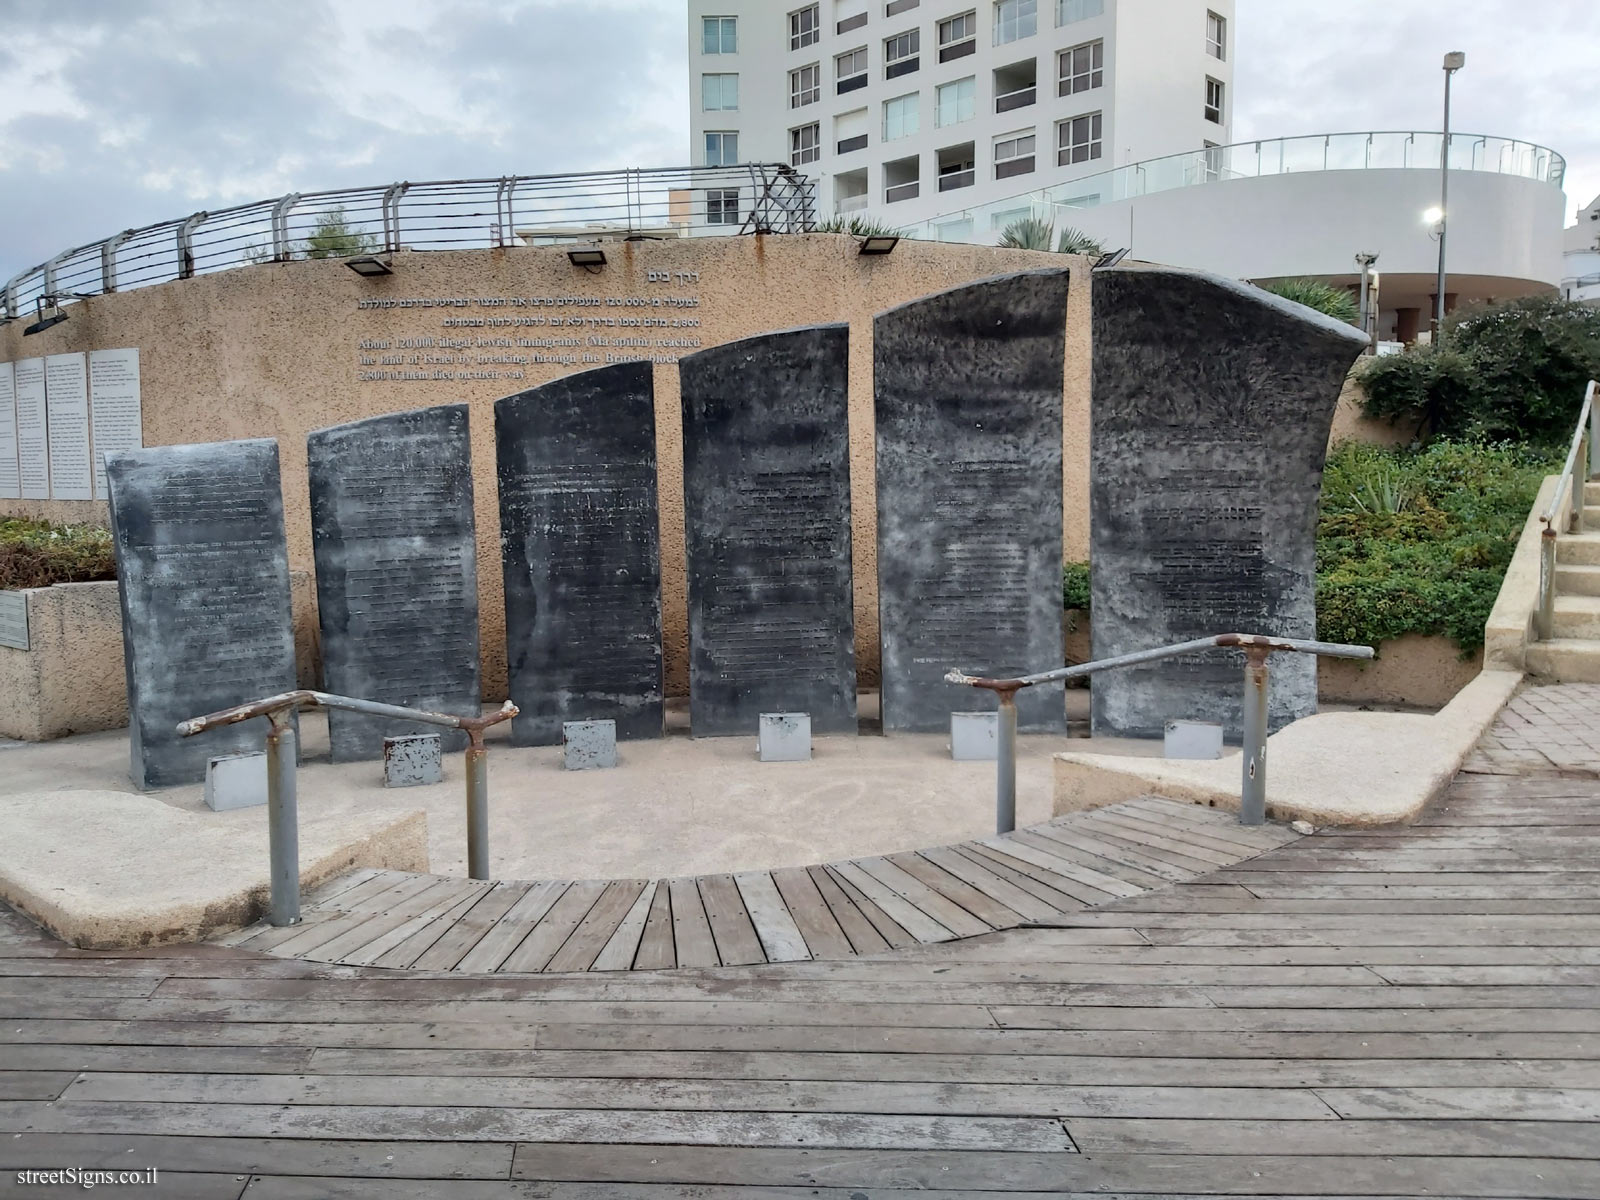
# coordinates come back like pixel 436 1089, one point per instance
pixel 1453 62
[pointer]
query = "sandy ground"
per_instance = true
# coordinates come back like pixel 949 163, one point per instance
pixel 674 806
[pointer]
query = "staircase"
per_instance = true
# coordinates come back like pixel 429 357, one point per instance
pixel 1572 653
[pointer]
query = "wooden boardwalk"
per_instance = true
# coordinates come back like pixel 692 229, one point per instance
pixel 1401 1013
pixel 837 910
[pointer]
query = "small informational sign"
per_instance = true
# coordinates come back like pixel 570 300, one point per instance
pixel 14 620
pixel 33 441
pixel 10 479
pixel 115 406
pixel 66 378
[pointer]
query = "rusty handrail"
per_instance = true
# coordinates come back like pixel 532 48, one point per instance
pixel 1257 647
pixel 283 821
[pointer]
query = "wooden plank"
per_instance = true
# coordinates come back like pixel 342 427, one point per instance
pixel 956 891
pixel 1149 833
pixel 862 930
pixel 451 896
pixel 735 935
pixel 406 952
pixel 1173 869
pixel 988 881
pixel 453 946
pixel 781 939
pixel 824 936
pixel 33 1085
pixel 656 949
pixel 914 891
pixel 536 950
pixel 1132 876
pixel 1025 876
pixel 619 951
pixel 691 931
pixel 580 950
pixel 1101 887
pixel 337 886
pixel 501 938
pixel 919 924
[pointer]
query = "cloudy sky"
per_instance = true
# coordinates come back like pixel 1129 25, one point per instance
pixel 119 113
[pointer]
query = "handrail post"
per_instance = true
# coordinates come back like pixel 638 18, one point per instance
pixel 1005 790
pixel 1253 788
pixel 1544 619
pixel 1580 472
pixel 477 759
pixel 283 818
pixel 1593 466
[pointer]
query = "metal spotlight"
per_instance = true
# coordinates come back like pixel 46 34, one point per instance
pixel 50 315
pixel 879 244
pixel 369 266
pixel 587 256
pixel 1110 260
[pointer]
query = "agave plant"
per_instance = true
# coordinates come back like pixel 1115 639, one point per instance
pixel 860 227
pixel 1336 302
pixel 1028 233
pixel 1074 241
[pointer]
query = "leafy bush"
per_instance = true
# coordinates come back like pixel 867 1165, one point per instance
pixel 1418 541
pixel 1336 302
pixel 1028 233
pixel 860 227
pixel 334 237
pixel 1509 371
pixel 1075 585
pixel 38 554
pixel 1075 241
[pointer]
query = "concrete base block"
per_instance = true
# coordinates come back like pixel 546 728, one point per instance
pixel 236 781
pixel 785 737
pixel 1193 740
pixel 589 745
pixel 413 760
pixel 975 736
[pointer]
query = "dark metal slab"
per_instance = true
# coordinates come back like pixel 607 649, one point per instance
pixel 397 572
pixel 766 447
pixel 203 574
pixel 968 398
pixel 1212 405
pixel 580 537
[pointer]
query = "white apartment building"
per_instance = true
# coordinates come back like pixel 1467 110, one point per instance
pixel 1581 258
pixel 910 111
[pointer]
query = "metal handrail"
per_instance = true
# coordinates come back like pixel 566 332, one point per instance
pixel 1566 506
pixel 283 814
pixel 1257 648
pixel 438 214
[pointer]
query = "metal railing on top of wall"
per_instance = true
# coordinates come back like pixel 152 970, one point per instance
pixel 451 214
pixel 1565 511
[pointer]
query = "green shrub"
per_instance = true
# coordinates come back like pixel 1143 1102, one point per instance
pixel 1509 371
pixel 1028 233
pixel 1075 585
pixel 1335 302
pixel 38 554
pixel 1075 241
pixel 860 227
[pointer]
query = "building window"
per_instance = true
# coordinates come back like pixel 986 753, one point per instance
pixel 1214 98
pixel 805 86
pixel 719 35
pixel 1213 162
pixel 805 27
pixel 954 231
pixel 1015 19
pixel 895 7
pixel 850 131
pixel 1069 12
pixel 900 118
pixel 900 53
pixel 1078 140
pixel 719 93
pixel 805 145
pixel 850 70
pixel 1216 36
pixel 722 207
pixel 1082 68
pixel 958 36
pixel 849 23
pixel 722 149
pixel 1013 155
pixel 955 102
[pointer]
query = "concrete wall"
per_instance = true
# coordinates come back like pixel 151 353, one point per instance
pixel 70 680
pixel 275 351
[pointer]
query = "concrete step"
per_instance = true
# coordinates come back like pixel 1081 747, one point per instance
pixel 1579 549
pixel 1575 580
pixel 1576 617
pixel 1591 516
pixel 1565 660
pixel 1591 493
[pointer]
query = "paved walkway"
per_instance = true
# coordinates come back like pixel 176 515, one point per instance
pixel 1402 1013
pixel 862 906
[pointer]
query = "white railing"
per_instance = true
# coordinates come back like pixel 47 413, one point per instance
pixel 441 215
pixel 1565 511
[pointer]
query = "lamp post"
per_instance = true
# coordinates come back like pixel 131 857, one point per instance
pixel 1453 62
pixel 1368 325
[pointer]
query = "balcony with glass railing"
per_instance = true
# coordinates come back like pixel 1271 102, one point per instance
pixel 1388 150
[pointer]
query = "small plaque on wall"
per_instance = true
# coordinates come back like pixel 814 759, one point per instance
pixel 14 620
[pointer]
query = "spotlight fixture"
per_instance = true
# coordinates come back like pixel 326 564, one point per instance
pixel 369 266
pixel 50 315
pixel 587 256
pixel 879 244
pixel 1110 260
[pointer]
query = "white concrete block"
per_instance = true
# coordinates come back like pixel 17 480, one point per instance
pixel 589 745
pixel 785 737
pixel 1193 740
pixel 236 781
pixel 975 736
pixel 414 760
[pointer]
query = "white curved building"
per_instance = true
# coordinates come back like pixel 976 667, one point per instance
pixel 1306 206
